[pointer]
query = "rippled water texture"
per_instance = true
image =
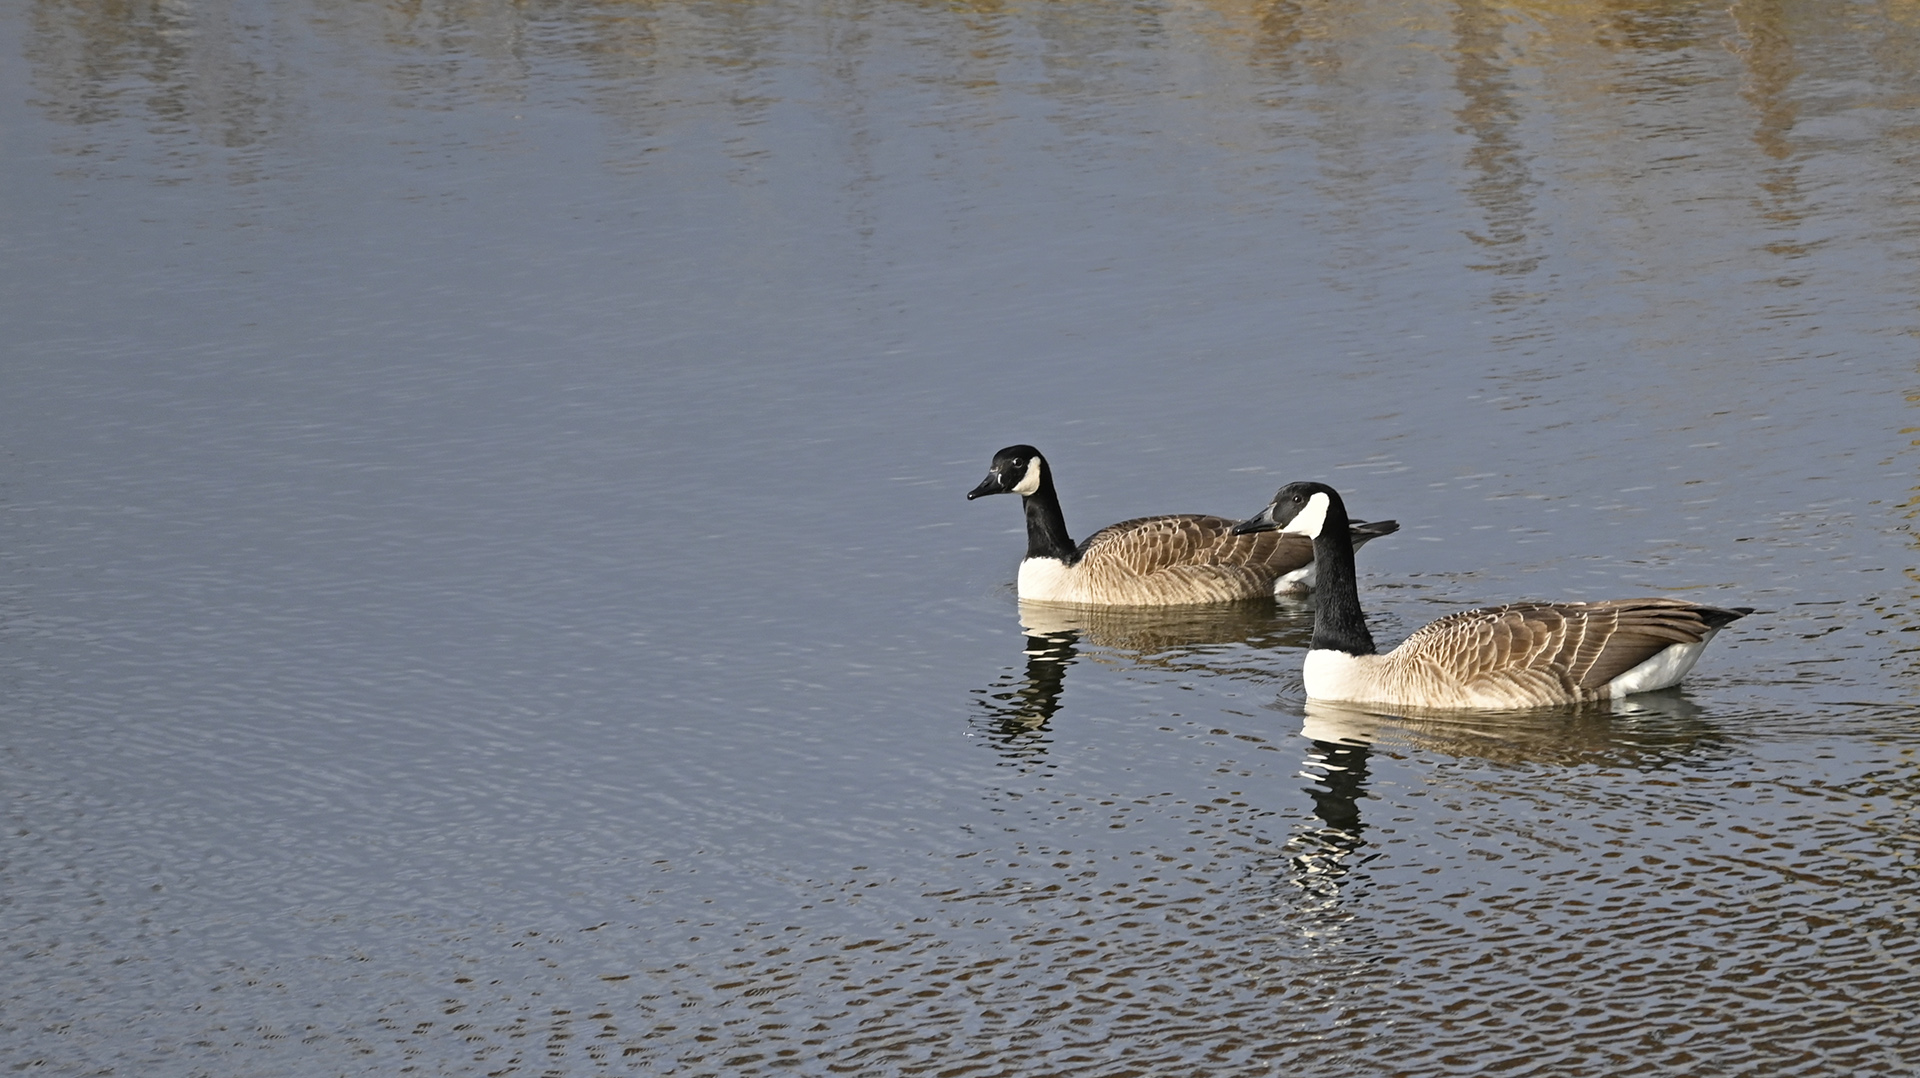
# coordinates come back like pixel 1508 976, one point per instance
pixel 486 588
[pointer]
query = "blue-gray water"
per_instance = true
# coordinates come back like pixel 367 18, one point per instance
pixel 485 586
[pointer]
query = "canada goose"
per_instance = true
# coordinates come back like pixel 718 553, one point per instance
pixel 1515 656
pixel 1149 561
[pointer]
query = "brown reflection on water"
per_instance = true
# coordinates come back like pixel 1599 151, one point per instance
pixel 1654 25
pixel 1279 27
pixel 91 46
pixel 1765 47
pixel 220 74
pixel 1501 182
pixel 193 70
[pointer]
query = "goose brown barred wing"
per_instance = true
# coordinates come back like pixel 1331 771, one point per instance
pixel 1582 646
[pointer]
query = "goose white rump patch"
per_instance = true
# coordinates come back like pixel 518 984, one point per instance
pixel 1661 671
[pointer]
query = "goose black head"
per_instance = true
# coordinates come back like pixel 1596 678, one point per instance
pixel 1017 469
pixel 1301 508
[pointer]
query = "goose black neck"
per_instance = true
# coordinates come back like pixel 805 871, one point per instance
pixel 1046 525
pixel 1338 623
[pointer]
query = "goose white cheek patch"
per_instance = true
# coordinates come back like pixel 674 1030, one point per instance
pixel 1030 482
pixel 1311 519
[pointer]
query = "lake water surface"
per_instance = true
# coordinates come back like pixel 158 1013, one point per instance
pixel 486 587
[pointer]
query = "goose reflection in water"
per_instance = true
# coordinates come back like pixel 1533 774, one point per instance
pixel 1649 732
pixel 1022 701
pixel 1318 854
pixel 1193 638
pixel 1019 705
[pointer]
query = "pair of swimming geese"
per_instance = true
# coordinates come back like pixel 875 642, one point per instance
pixel 1515 656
